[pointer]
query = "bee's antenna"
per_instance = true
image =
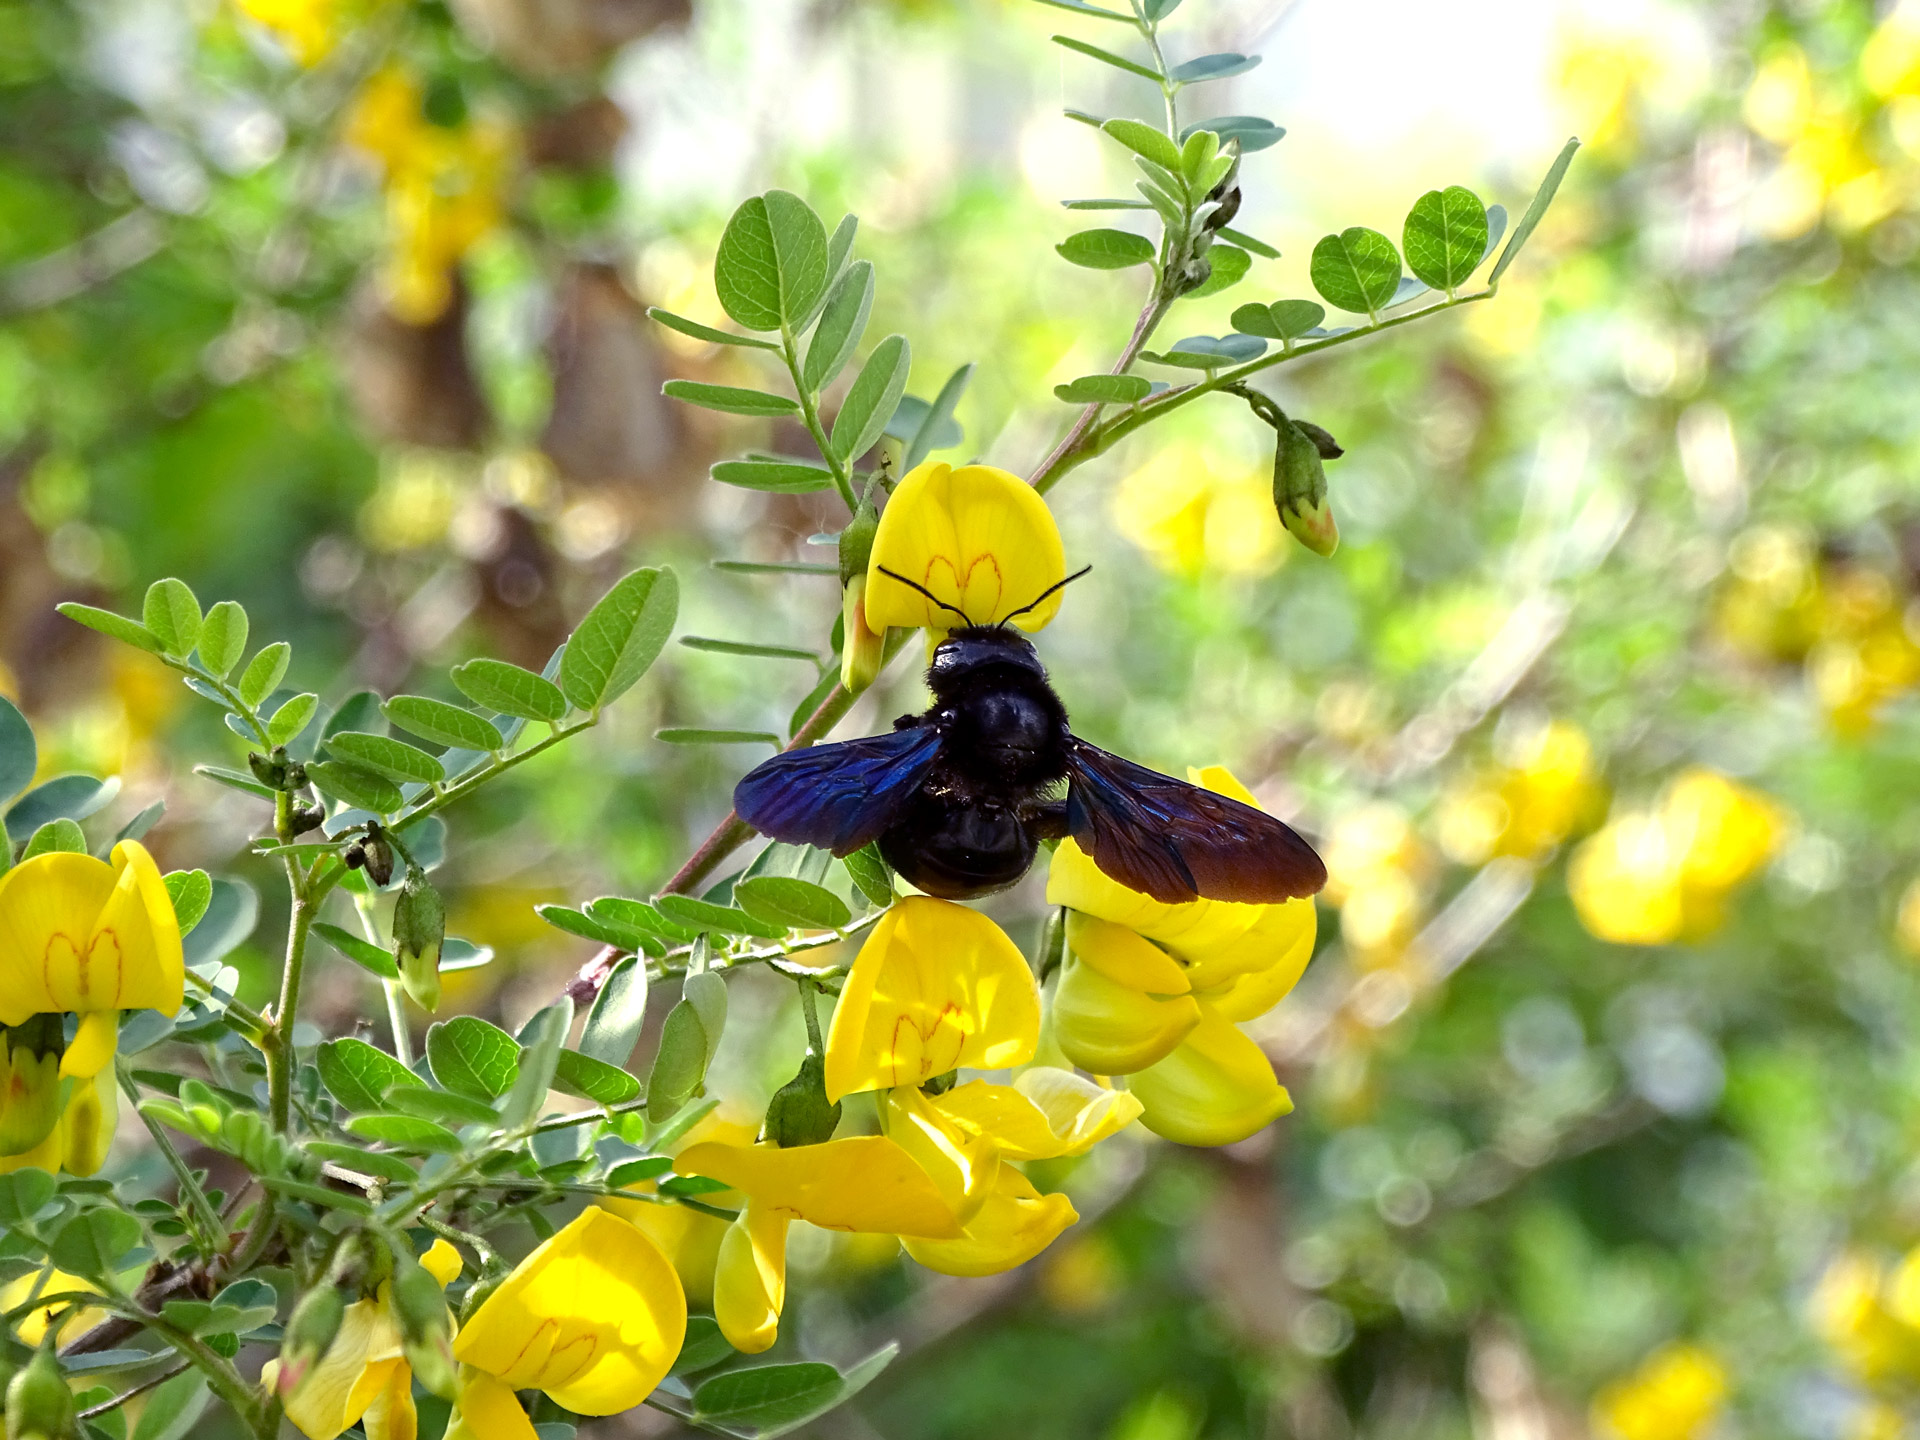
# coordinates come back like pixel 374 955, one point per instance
pixel 1057 585
pixel 911 585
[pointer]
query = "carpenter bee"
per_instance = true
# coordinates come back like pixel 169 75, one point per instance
pixel 960 797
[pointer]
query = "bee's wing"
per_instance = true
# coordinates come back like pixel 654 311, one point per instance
pixel 837 797
pixel 1178 842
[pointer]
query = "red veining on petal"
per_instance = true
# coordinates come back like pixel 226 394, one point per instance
pixel 905 1025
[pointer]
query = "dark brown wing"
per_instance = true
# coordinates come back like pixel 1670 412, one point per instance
pixel 1177 842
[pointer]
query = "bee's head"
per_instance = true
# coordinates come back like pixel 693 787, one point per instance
pixel 974 649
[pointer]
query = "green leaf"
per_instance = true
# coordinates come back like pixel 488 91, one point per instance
pixel 703 1348
pixel 357 787
pixel 223 638
pixel 541 1040
pixel 619 638
pixel 1105 205
pixel 1220 66
pixel 1253 132
pixel 592 1079
pixel 440 1106
pixel 773 567
pixel 510 690
pixel 591 927
pixel 398 761
pixel 637 915
pixel 1107 57
pixel 173 1410
pixel 364 953
pixel 1496 227
pixel 264 672
pixel 938 420
pixel 618 1015
pixel 1286 319
pixel 631 1172
pixel 291 718
pixel 473 1058
pixel 842 324
pixel 871 874
pixel 1445 236
pixel 19 755
pixel 1210 352
pixel 800 248
pixel 191 892
pixel 358 1075
pixel 119 627
pixel 1080 7
pixel 1158 10
pixel 746 269
pixel 24 1194
pixel 1144 139
pixel 1230 266
pixel 1542 198
pixel 1198 148
pixel 457 954
pixel 405 1132
pixel 679 1064
pixel 1248 242
pixel 443 724
pixel 367 1162
pixel 1356 270
pixel 1105 390
pixel 94 1242
pixel 706 332
pixel 707 993
pixel 781 477
pixel 704 915
pixel 56 835
pixel 207 1317
pixel 66 797
pixel 732 399
pixel 1107 249
pixel 745 647
pixel 872 398
pixel 780 900
pixel 172 616
pixel 767 1396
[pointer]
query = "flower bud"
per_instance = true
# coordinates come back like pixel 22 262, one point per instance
pixel 1300 490
pixel 419 929
pixel 426 1325
pixel 856 541
pixel 862 649
pixel 799 1113
pixel 39 1404
pixel 29 1082
pixel 309 1335
pixel 269 772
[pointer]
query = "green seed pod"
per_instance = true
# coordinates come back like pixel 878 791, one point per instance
pixel 39 1404
pixel 856 541
pixel 799 1113
pixel 426 1325
pixel 309 1335
pixel 419 930
pixel 1300 490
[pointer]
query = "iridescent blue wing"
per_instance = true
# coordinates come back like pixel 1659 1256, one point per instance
pixel 1178 842
pixel 837 797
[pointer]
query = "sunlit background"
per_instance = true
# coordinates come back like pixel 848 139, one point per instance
pixel 1603 714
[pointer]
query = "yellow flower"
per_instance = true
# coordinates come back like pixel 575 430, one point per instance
pixel 1676 1394
pixel 980 539
pixel 866 1184
pixel 31 1328
pixel 81 1136
pixel 862 648
pixel 689 1238
pixel 1120 1002
pixel 1046 1113
pixel 594 1317
pixel 1014 1224
pixel 85 936
pixel 1525 806
pixel 1890 60
pixel 308 28
pixel 1215 1087
pixel 363 1378
pixel 1871 1319
pixel 29 1083
pixel 936 986
pixel 1907 920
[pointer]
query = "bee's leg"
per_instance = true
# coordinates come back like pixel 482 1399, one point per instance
pixel 1046 819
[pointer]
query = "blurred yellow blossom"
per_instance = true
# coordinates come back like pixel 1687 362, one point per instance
pixel 308 28
pixel 1907 918
pixel 1655 876
pixel 1193 510
pixel 1543 789
pixel 1890 60
pixel 1377 869
pixel 1676 1394
pixel 1869 1317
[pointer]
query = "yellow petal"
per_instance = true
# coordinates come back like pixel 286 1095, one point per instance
pixel 348 1377
pixel 863 1183
pixel 1079 1112
pixel 1249 996
pixel 960 1160
pixel 1015 1224
pixel 138 922
pixel 47 1155
pixel 31 1328
pixel 93 1043
pixel 1215 1088
pixel 594 1317
pixel 750 1279
pixel 1222 781
pixel 980 539
pixel 87 1126
pixel 48 907
pixel 1111 1029
pixel 1016 1125
pixel 392 1415
pixel 442 1262
pixel 488 1410
pixel 1124 957
pixel 936 986
pixel 29 1096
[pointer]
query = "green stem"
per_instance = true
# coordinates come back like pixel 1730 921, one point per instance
pixel 1168 88
pixel 280 1053
pixel 93 1412
pixel 240 1397
pixel 212 1231
pixel 1083 445
pixel 251 1018
pixel 1063 456
pixel 810 412
pixel 396 1000
pixel 486 772
pixel 809 1011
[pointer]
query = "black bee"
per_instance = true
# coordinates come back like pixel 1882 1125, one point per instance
pixel 961 796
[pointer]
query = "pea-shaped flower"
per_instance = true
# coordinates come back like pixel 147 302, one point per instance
pixel 978 538
pixel 80 935
pixel 594 1317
